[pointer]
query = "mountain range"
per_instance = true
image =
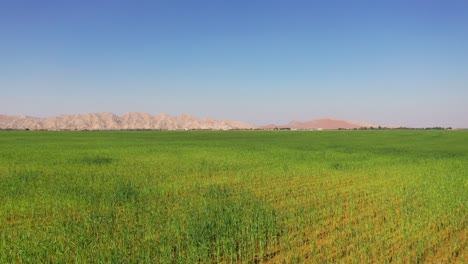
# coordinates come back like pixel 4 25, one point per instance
pixel 137 120
pixel 110 121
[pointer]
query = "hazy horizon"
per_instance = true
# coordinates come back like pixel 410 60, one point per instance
pixel 391 63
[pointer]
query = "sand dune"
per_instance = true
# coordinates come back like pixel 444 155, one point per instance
pixel 325 123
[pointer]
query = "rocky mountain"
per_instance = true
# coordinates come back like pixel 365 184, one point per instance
pixel 110 121
pixel 325 123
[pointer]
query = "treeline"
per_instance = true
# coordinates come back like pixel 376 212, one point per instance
pixel 398 128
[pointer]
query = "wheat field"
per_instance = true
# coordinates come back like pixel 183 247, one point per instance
pixel 233 196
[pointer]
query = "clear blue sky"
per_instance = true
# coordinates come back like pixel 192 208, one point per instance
pixel 386 62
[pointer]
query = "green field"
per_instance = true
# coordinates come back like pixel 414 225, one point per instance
pixel 243 196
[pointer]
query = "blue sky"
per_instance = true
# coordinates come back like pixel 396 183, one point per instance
pixel 384 62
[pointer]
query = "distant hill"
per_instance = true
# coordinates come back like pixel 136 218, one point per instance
pixel 139 120
pixel 110 121
pixel 325 123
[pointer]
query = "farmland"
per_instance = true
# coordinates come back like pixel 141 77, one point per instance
pixel 236 196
